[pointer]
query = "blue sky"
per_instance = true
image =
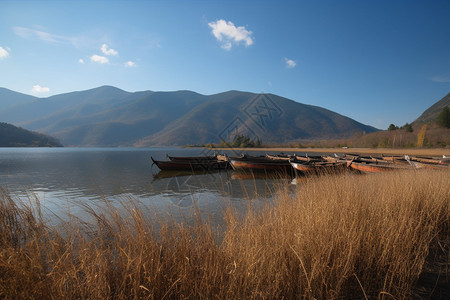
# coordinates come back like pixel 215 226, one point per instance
pixel 378 62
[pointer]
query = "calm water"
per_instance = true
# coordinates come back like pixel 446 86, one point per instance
pixel 62 178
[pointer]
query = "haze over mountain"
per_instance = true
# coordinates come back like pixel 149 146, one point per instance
pixel 108 116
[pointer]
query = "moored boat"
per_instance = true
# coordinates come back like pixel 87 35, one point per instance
pixel 192 158
pixel 309 158
pixel 260 163
pixel 318 167
pixel 435 166
pixel 375 167
pixel 393 158
pixel 431 160
pixel 190 165
pixel 279 157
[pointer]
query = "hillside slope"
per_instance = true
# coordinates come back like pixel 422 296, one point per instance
pixel 430 115
pixel 108 116
pixel 10 98
pixel 267 117
pixel 12 136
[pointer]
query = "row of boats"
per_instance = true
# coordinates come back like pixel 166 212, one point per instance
pixel 283 163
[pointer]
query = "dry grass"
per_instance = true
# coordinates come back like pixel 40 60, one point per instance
pixel 339 237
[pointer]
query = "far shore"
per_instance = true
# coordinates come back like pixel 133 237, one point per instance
pixel 387 151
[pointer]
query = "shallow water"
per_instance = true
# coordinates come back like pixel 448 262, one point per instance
pixel 63 178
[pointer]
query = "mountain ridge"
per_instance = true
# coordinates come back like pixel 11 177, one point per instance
pixel 431 113
pixel 109 116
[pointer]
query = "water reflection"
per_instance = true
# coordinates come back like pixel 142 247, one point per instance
pixel 58 176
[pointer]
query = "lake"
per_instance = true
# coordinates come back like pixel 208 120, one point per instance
pixel 63 178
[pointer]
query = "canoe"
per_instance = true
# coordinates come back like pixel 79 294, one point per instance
pixel 315 158
pixel 259 163
pixel 393 158
pixel 279 157
pixel 296 157
pixel 333 159
pixel 318 167
pixel 192 158
pixel 374 167
pixel 186 165
pixel 435 166
pixel 431 160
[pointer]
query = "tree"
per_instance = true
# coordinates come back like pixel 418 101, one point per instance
pixel 408 127
pixel 243 141
pixel 392 127
pixel 444 117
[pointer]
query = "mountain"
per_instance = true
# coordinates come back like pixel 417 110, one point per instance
pixel 9 98
pixel 12 136
pixel 431 114
pixel 267 117
pixel 108 116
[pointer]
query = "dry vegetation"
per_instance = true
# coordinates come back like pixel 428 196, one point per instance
pixel 339 237
pixel 423 137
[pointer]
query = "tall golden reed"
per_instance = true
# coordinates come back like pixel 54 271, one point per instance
pixel 340 236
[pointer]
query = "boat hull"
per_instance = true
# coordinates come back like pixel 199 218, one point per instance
pixel 376 168
pixel 282 166
pixel 186 165
pixel 319 168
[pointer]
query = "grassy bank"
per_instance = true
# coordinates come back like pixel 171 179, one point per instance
pixel 339 237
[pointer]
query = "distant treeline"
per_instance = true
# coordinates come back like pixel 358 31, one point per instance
pixel 12 136
pixel 239 141
pixel 408 136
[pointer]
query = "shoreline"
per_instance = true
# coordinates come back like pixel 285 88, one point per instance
pixel 390 151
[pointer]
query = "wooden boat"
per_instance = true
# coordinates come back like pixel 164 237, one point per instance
pixel 192 158
pixel 375 167
pixel 393 158
pixel 296 157
pixel 435 166
pixel 431 160
pixel 334 159
pixel 315 158
pixel 259 163
pixel 318 167
pixel 187 165
pixel 279 157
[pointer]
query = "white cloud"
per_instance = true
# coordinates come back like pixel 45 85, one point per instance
pixel 81 61
pixel 3 53
pixel 37 89
pixel 99 59
pixel 29 33
pixel 130 64
pixel 290 63
pixel 227 33
pixel 107 51
pixel 440 79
